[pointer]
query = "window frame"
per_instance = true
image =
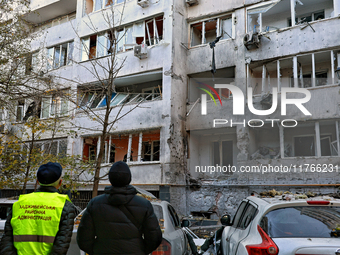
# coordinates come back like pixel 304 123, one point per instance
pixel 58 110
pixel 104 5
pixel 51 52
pixel 44 143
pixel 219 19
pixel 20 105
pixel 156 38
pixel 244 215
pixel 220 146
pixel 152 151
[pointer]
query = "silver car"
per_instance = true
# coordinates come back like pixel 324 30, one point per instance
pixel 174 241
pixel 284 227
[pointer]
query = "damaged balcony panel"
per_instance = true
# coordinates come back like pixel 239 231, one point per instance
pixel 94 97
pixel 135 147
pixel 204 80
pixel 275 15
pixel 265 142
pixel 328 138
pixel 207 31
pixel 211 148
pixel 323 70
pixel 312 139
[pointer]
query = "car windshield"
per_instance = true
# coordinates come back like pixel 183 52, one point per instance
pixel 159 214
pixel 4 210
pixel 302 221
pixel 158 211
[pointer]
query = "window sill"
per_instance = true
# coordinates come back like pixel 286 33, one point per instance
pixel 310 157
pixel 207 44
pixel 120 105
pixel 309 88
pixel 134 163
pixel 161 43
pixel 57 68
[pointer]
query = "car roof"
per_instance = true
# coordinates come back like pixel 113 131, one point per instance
pixel 269 203
pixel 8 200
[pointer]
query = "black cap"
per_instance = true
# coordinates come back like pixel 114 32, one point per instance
pixel 49 173
pixel 120 174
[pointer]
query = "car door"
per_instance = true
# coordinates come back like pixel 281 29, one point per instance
pixel 178 238
pixel 228 246
pixel 242 227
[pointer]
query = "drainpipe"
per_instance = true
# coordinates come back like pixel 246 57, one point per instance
pixel 336 5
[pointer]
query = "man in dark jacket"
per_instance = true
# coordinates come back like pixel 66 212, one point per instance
pixel 52 227
pixel 119 221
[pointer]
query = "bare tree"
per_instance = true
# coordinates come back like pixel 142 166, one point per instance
pixel 105 71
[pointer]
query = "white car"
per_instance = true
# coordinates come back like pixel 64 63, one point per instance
pixel 278 227
pixel 5 205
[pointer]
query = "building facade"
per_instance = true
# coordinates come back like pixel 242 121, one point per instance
pixel 176 137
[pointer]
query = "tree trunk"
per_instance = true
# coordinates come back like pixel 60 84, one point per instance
pixel 100 155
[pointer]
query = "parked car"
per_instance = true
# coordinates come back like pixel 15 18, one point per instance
pixel 5 205
pixel 174 241
pixel 273 226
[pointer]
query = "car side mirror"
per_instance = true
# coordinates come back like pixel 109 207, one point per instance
pixel 185 223
pixel 226 220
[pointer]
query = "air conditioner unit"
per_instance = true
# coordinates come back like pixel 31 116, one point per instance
pixel 191 2
pixel 252 40
pixel 143 3
pixel 140 51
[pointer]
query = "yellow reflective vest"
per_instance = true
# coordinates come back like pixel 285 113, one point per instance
pixel 35 221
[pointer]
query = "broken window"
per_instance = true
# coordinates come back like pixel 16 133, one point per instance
pixel 125 94
pixel 88 6
pixel 125 40
pixel 33 64
pixel 328 138
pixel 59 55
pixel 304 146
pixel 223 153
pixel 313 139
pixel 200 82
pixel 149 31
pixel 203 32
pixel 89 47
pixel 20 110
pixel 263 17
pixel 90 148
pixel 102 44
pixel 274 15
pixel 150 151
pixel 265 141
pixel 91 98
pixel 96 5
pixel 303 71
pixel 140 146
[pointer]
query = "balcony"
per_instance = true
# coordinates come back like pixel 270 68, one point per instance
pixel 43 11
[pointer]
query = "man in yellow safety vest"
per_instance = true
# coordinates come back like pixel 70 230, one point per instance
pixel 40 222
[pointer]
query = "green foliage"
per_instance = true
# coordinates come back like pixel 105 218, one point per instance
pixel 20 157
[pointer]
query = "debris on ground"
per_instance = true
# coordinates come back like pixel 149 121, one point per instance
pixel 287 195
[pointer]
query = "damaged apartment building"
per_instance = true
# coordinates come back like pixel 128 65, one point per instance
pixel 174 53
